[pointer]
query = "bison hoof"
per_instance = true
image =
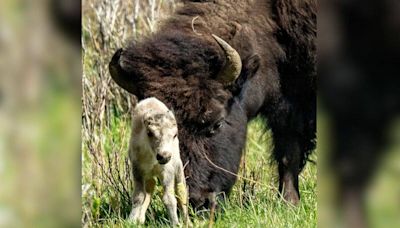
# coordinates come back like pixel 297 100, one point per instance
pixel 291 197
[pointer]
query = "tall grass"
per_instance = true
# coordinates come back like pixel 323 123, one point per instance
pixel 106 177
pixel 106 26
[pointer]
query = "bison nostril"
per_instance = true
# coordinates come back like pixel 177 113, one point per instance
pixel 159 157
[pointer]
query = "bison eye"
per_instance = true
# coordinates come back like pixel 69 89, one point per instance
pixel 150 134
pixel 212 130
pixel 217 125
pixel 175 135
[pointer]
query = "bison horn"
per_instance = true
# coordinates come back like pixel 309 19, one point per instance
pixel 233 66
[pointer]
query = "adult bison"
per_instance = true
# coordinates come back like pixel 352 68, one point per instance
pixel 261 61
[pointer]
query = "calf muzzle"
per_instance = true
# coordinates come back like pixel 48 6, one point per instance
pixel 163 158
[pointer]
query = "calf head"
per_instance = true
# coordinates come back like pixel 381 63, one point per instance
pixel 162 132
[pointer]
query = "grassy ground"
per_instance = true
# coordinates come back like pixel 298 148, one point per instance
pixel 249 205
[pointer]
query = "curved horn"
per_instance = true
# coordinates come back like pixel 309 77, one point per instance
pixel 233 66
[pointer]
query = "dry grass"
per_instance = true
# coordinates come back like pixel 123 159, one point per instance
pixel 106 26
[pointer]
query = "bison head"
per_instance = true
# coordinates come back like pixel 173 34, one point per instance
pixel 195 76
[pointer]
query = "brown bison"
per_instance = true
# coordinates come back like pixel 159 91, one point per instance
pixel 261 61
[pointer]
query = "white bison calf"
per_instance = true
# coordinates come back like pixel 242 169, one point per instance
pixel 154 152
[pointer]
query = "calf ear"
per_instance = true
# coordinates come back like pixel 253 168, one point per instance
pixel 249 69
pixel 146 120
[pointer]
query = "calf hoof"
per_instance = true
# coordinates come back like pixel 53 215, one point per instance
pixel 184 225
pixel 135 219
pixel 188 224
pixel 175 224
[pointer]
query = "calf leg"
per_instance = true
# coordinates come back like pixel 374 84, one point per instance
pixel 213 204
pixel 141 197
pixel 168 182
pixel 138 200
pixel 149 188
pixel 182 193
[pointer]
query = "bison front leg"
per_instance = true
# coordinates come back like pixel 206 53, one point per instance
pixel 289 181
pixel 291 153
pixel 288 155
pixel 293 128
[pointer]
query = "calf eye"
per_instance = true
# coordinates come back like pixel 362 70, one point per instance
pixel 150 134
pixel 175 135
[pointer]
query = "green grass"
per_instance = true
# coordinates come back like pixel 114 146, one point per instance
pixel 249 205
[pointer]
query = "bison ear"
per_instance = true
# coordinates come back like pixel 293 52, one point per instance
pixel 119 75
pixel 249 69
pixel 252 64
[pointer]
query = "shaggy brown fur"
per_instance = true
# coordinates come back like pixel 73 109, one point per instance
pixel 179 64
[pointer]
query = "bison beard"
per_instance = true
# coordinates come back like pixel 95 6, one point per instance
pixel 182 68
